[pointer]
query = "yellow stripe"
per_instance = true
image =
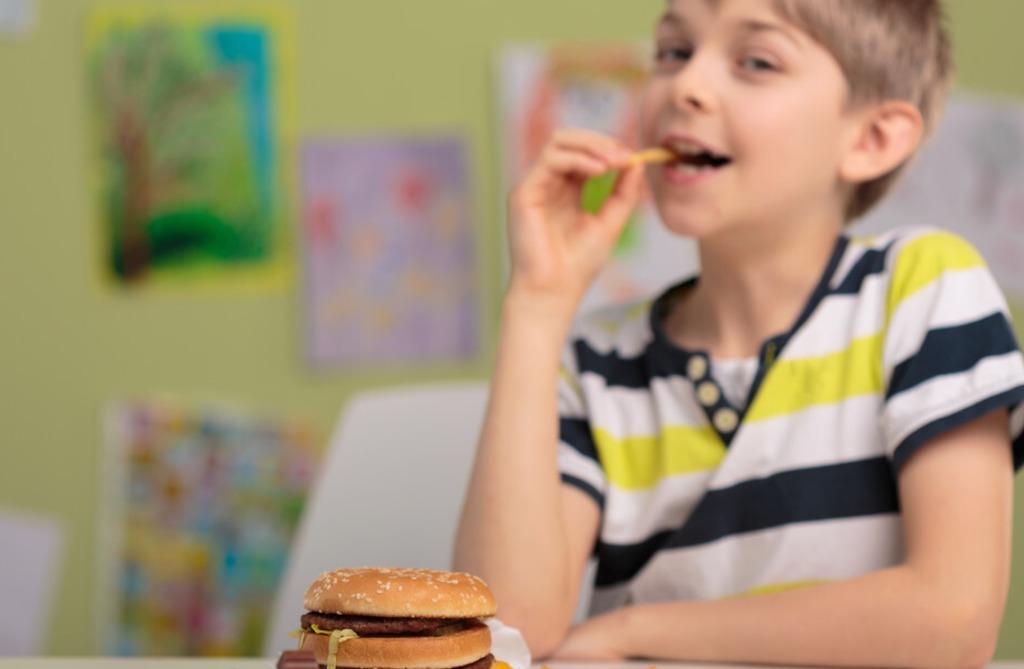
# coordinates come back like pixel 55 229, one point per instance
pixel 793 385
pixel 638 463
pixel 621 317
pixel 639 311
pixel 778 587
pixel 924 260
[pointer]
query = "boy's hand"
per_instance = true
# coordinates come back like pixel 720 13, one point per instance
pixel 558 247
pixel 594 640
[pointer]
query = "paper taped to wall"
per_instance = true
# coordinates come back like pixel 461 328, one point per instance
pixel 16 17
pixel 30 548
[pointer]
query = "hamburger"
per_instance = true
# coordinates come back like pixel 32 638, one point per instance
pixel 379 618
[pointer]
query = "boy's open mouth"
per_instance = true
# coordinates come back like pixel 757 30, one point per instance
pixel 694 158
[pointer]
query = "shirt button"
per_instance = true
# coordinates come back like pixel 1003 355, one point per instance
pixel 726 420
pixel 696 368
pixel 708 393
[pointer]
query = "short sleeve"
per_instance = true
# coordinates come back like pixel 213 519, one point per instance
pixel 950 354
pixel 578 461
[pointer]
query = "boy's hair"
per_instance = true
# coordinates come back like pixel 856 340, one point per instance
pixel 888 50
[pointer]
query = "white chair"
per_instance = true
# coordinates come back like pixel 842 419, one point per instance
pixel 389 491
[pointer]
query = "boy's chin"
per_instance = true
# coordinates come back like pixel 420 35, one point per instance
pixel 691 225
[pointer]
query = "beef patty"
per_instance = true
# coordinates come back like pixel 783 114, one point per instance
pixel 375 625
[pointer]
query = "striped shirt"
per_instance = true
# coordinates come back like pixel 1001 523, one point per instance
pixel 905 337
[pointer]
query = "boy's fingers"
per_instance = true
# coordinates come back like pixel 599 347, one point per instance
pixel 607 148
pixel 561 163
pixel 624 196
pixel 576 163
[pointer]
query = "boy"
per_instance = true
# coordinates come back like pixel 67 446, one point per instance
pixel 804 455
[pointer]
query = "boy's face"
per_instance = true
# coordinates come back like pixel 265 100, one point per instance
pixel 760 102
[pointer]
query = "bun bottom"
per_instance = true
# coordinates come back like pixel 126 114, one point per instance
pixel 405 652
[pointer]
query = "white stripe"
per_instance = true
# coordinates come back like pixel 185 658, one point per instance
pixel 632 516
pixel 826 434
pixel 622 328
pixel 899 238
pixel 819 551
pixel 858 247
pixel 855 250
pixel 641 412
pixel 941 396
pixel 608 599
pixel 570 404
pixel 574 463
pixel 955 298
pixel 759 450
pixel 840 319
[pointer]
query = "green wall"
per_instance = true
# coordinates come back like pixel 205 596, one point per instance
pixel 362 66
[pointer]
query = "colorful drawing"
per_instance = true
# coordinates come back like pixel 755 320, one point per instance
pixel 189 115
pixel 598 87
pixel 201 507
pixel 389 251
pixel 970 179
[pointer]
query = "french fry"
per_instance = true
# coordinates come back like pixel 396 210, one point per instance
pixel 652 155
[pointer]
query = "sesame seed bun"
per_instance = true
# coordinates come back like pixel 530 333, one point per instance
pixel 376 591
pixel 383 616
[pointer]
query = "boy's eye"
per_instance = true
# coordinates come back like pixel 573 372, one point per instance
pixel 755 64
pixel 673 54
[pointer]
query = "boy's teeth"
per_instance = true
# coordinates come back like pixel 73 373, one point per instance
pixel 687 168
pixel 686 147
pixel 687 150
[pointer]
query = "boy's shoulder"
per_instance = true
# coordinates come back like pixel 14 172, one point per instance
pixel 924 252
pixel 915 240
pixel 912 266
pixel 623 327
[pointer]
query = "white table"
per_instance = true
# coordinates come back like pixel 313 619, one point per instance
pixel 265 663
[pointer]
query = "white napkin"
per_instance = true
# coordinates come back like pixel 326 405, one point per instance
pixel 508 645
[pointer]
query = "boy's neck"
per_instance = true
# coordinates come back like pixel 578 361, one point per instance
pixel 750 289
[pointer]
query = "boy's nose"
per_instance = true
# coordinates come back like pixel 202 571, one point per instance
pixel 691 87
pixel 691 100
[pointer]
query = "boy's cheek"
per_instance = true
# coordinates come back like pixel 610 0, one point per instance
pixel 650 109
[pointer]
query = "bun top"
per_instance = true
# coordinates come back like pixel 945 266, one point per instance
pixel 400 593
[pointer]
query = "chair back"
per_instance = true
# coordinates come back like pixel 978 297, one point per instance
pixel 389 491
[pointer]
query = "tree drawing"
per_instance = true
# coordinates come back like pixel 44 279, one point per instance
pixel 180 176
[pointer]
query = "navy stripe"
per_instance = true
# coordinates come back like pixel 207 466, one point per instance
pixel 576 433
pixel 614 369
pixel 585 487
pixel 872 262
pixel 618 563
pixel 847 490
pixel 952 350
pixel 922 435
pixel 1018 452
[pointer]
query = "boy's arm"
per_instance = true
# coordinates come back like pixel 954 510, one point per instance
pixel 521 530
pixel 941 607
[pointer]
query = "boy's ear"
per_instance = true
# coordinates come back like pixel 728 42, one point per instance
pixel 885 134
